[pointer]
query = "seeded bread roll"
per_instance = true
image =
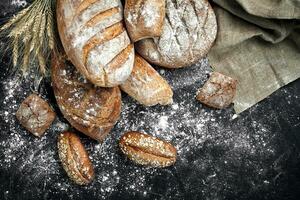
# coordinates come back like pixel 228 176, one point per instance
pixel 75 159
pixel 147 150
pixel 95 39
pixel 189 31
pixel 146 85
pixel 144 18
pixel 90 109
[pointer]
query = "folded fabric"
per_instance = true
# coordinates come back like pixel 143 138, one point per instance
pixel 258 43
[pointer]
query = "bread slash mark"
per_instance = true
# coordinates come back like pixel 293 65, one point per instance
pixel 102 15
pixel 109 33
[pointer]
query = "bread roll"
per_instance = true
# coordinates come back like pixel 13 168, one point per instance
pixel 189 31
pixel 147 150
pixel 90 109
pixel 218 92
pixel 145 18
pixel 75 159
pixel 95 39
pixel 146 85
pixel 35 115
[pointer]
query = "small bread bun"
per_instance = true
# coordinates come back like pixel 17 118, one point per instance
pixel 218 92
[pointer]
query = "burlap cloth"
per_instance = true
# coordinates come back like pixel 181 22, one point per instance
pixel 258 43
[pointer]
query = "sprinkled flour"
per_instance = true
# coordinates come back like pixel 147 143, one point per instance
pixel 209 144
pixel 21 3
pixel 220 155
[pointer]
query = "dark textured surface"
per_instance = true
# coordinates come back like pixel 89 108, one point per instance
pixel 255 156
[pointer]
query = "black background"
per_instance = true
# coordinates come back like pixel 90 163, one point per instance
pixel 190 177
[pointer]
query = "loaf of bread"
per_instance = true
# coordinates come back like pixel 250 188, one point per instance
pixel 146 85
pixel 95 40
pixel 90 109
pixel 144 19
pixel 189 31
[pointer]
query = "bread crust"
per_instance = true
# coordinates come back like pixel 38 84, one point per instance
pixel 93 36
pixel 90 109
pixel 35 115
pixel 147 150
pixel 189 31
pixel 146 85
pixel 75 159
pixel 144 18
pixel 218 92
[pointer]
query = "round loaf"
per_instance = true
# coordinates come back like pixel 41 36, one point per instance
pixel 95 39
pixel 189 31
pixel 144 19
pixel 90 109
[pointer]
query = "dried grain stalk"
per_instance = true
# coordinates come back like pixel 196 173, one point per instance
pixel 31 36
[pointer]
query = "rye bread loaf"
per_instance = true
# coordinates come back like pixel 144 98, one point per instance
pixel 146 85
pixel 189 31
pixel 90 109
pixel 95 40
pixel 144 19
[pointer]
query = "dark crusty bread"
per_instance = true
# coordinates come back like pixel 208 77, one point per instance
pixel 90 109
pixel 95 39
pixel 189 31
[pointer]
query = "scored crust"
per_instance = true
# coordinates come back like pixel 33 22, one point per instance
pixel 90 109
pixel 95 39
pixel 189 31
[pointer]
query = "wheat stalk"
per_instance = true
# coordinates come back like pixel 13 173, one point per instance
pixel 42 62
pixel 50 33
pixel 15 51
pixel 34 27
pixel 15 19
